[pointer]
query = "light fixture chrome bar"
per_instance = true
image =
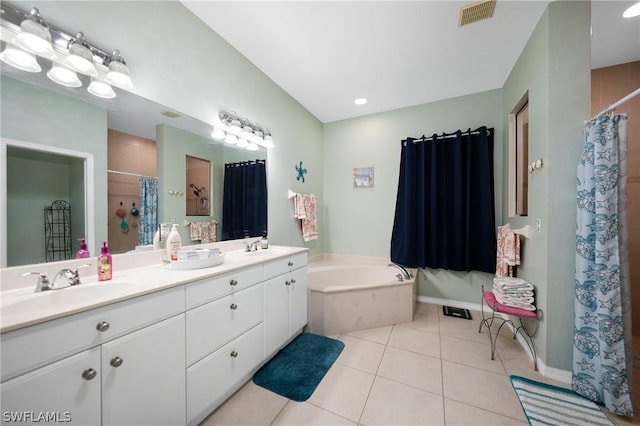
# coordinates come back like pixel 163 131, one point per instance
pixel 12 17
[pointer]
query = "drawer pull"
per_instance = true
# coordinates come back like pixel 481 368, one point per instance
pixel 234 354
pixel 89 374
pixel 116 362
pixel 290 263
pixel 287 282
pixel 293 281
pixel 233 282
pixel 102 326
pixel 233 307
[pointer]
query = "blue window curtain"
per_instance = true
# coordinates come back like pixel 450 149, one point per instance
pixel 602 333
pixel 148 222
pixel 244 205
pixel 445 213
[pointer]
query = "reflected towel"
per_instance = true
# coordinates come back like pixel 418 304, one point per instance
pixel 203 231
pixel 508 251
pixel 304 208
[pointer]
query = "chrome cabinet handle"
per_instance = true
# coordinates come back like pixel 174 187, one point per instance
pixel 290 263
pixel 233 307
pixel 233 282
pixel 89 374
pixel 102 326
pixel 116 362
pixel 287 282
pixel 234 354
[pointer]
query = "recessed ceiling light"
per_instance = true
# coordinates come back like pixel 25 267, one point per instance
pixel 360 101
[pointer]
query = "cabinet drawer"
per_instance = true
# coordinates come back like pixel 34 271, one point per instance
pixel 215 377
pixel 212 325
pixel 209 289
pixel 35 346
pixel 284 265
pixel 67 388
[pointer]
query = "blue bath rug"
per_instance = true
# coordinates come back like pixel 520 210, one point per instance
pixel 545 404
pixel 298 368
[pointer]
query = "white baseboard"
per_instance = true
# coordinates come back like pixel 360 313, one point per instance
pixel 550 372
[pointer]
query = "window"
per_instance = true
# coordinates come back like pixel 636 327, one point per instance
pixel 519 158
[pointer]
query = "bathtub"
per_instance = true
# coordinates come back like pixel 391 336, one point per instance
pixel 355 295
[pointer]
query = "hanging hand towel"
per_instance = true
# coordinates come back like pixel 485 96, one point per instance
pixel 194 231
pixel 508 252
pixel 304 208
pixel 203 231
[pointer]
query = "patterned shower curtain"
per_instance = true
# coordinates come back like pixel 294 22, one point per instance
pixel 148 210
pixel 602 334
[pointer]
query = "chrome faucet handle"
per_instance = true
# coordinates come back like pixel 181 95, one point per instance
pixel 71 275
pixel 76 277
pixel 43 281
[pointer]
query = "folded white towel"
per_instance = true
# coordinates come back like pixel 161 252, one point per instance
pixel 516 302
pixel 508 283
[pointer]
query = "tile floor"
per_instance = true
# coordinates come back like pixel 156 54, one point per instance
pixel 435 370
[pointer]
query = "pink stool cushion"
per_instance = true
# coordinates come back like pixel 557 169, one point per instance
pixel 490 298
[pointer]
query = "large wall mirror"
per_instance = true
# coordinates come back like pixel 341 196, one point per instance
pixel 38 113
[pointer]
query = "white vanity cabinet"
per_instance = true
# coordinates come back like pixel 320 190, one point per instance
pixel 68 366
pixel 285 301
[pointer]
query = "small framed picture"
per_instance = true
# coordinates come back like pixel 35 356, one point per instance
pixel 363 177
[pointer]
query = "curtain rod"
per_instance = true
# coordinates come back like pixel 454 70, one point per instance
pixel 447 136
pixel 130 174
pixel 615 105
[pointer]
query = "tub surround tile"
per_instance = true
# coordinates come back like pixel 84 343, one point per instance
pixel 343 391
pixel 392 403
pixel 361 354
pixel 413 369
pixel 302 413
pixel 415 341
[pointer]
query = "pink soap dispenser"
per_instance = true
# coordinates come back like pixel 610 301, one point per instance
pixel 83 253
pixel 104 263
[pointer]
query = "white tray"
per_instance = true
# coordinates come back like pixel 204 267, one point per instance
pixel 196 263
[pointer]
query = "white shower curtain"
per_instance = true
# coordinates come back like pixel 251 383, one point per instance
pixel 601 352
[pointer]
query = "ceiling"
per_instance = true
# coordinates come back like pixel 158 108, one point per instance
pixel 326 54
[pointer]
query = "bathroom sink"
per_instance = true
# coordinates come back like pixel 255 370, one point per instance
pixel 271 251
pixel 69 294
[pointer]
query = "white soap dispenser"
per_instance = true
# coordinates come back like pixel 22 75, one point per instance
pixel 173 243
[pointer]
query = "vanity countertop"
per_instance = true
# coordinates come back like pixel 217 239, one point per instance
pixel 22 307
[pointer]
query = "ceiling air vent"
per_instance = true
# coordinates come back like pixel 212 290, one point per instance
pixel 476 12
pixel 170 114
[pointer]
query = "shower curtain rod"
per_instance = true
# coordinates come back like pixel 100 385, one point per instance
pixel 131 174
pixel 615 105
pixel 447 136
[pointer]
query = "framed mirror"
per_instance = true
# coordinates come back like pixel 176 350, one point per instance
pixel 198 189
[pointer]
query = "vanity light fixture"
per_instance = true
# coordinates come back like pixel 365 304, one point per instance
pixel 34 35
pixel 27 36
pixel 20 59
pixel 632 11
pixel 101 89
pixel 64 76
pixel 80 57
pixel 235 130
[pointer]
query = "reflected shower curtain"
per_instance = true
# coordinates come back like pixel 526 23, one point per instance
pixel 445 214
pixel 148 222
pixel 601 351
pixel 244 203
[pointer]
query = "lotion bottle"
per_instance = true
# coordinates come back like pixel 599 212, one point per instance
pixel 105 264
pixel 173 243
pixel 83 253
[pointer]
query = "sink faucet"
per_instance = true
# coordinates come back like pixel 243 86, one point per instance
pixel 44 284
pixel 43 281
pixel 251 246
pixel 71 275
pixel 405 274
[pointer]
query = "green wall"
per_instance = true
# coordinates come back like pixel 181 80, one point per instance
pixel 41 117
pixel 555 68
pixel 359 221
